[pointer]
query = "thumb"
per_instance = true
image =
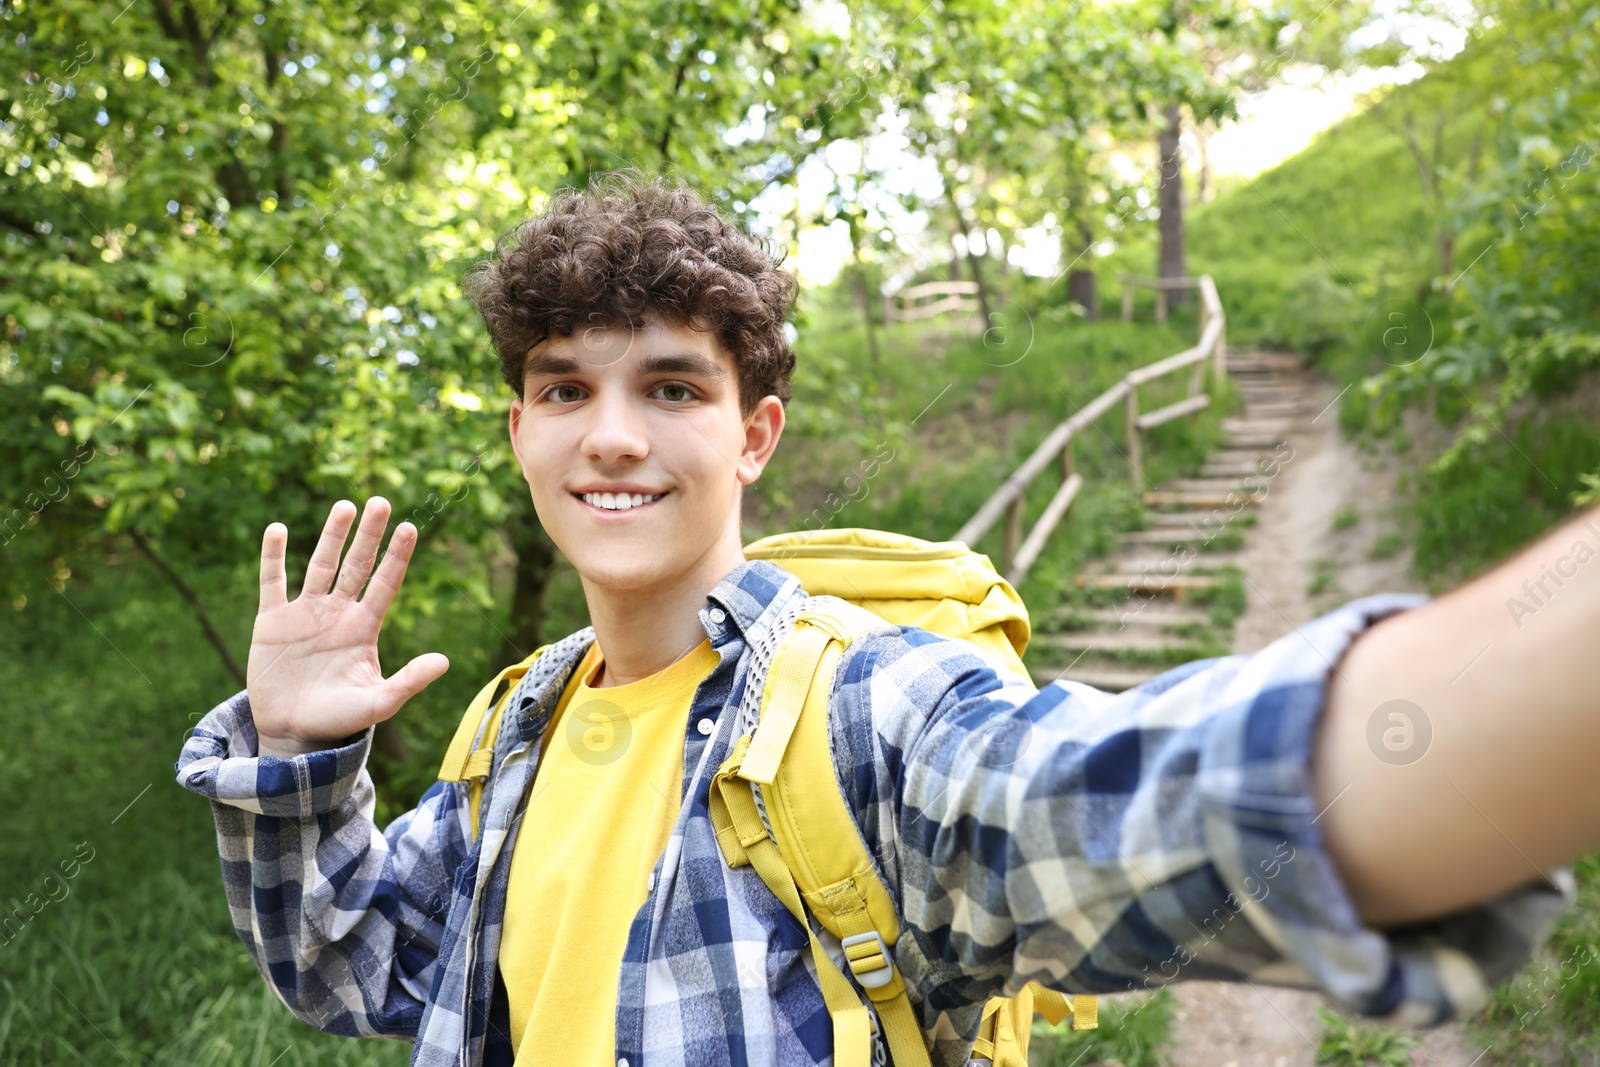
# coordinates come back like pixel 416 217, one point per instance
pixel 415 676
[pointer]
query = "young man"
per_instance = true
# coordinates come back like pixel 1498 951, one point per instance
pixel 1230 819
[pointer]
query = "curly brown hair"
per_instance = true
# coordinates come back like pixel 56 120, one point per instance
pixel 630 249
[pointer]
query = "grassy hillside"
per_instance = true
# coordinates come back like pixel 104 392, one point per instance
pixel 1337 253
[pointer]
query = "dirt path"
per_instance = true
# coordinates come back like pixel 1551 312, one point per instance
pixel 1313 547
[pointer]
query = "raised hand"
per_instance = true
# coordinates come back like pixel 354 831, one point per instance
pixel 314 677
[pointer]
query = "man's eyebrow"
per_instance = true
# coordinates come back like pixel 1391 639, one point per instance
pixel 548 363
pixel 682 363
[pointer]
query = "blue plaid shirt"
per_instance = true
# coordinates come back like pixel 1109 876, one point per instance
pixel 1096 843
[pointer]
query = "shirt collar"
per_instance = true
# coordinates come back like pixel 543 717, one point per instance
pixel 749 600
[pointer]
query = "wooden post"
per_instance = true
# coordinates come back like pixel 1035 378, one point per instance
pixel 1161 304
pixel 1135 454
pixel 1219 359
pixel 1008 551
pixel 1127 299
pixel 1066 460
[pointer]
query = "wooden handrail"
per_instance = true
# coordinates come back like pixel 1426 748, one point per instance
pixel 1162 286
pixel 953 297
pixel 1019 551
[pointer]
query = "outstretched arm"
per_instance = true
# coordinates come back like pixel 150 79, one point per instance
pixel 343 920
pixel 1459 751
pixel 1098 843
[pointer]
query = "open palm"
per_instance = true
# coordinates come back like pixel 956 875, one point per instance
pixel 314 677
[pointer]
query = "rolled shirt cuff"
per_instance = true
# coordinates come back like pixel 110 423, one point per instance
pixel 1260 825
pixel 219 761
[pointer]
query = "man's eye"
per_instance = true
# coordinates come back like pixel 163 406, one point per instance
pixel 554 389
pixel 685 393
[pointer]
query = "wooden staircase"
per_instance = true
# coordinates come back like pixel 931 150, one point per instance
pixel 1155 625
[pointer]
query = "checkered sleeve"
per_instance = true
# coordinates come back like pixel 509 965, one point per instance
pixel 1104 843
pixel 343 920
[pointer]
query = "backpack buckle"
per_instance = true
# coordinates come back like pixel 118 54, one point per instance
pixel 869 959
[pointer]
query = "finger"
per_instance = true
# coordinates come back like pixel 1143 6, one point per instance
pixel 325 559
pixel 414 677
pixel 364 549
pixel 274 585
pixel 391 571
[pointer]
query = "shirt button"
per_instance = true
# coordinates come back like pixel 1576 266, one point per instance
pixel 716 615
pixel 622 1061
pixel 650 883
pixel 705 726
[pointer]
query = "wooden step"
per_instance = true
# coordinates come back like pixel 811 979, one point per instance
pixel 1172 536
pixel 1222 485
pixel 1264 442
pixel 1239 470
pixel 1265 363
pixel 1110 679
pixel 1162 498
pixel 1286 410
pixel 1243 458
pixel 1185 520
pixel 1105 642
pixel 1139 543
pixel 1151 563
pixel 1255 427
pixel 1178 588
pixel 1138 613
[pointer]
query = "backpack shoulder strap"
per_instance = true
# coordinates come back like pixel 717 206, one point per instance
pixel 470 756
pixel 814 851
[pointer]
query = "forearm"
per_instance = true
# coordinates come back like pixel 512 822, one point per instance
pixel 1505 789
pixel 326 903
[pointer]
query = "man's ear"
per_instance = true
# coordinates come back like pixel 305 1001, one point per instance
pixel 515 421
pixel 762 428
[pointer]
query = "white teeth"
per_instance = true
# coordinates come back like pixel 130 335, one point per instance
pixel 619 501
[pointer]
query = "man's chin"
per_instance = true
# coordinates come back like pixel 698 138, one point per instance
pixel 620 575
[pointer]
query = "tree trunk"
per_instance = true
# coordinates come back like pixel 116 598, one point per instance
pixel 972 258
pixel 858 280
pixel 1081 290
pixel 858 277
pixel 1169 200
pixel 536 558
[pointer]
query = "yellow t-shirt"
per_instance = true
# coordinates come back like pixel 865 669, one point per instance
pixel 600 812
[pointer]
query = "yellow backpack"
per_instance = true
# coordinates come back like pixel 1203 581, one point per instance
pixel 814 857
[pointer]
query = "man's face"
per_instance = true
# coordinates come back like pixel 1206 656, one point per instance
pixel 651 413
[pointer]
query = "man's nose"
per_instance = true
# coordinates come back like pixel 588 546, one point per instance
pixel 617 431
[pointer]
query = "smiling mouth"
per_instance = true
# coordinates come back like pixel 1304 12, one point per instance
pixel 619 502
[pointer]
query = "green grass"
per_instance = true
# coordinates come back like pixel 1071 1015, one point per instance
pixel 1324 577
pixel 1387 545
pixel 1549 1012
pixel 1350 1042
pixel 1134 1029
pixel 1505 493
pixel 136 961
